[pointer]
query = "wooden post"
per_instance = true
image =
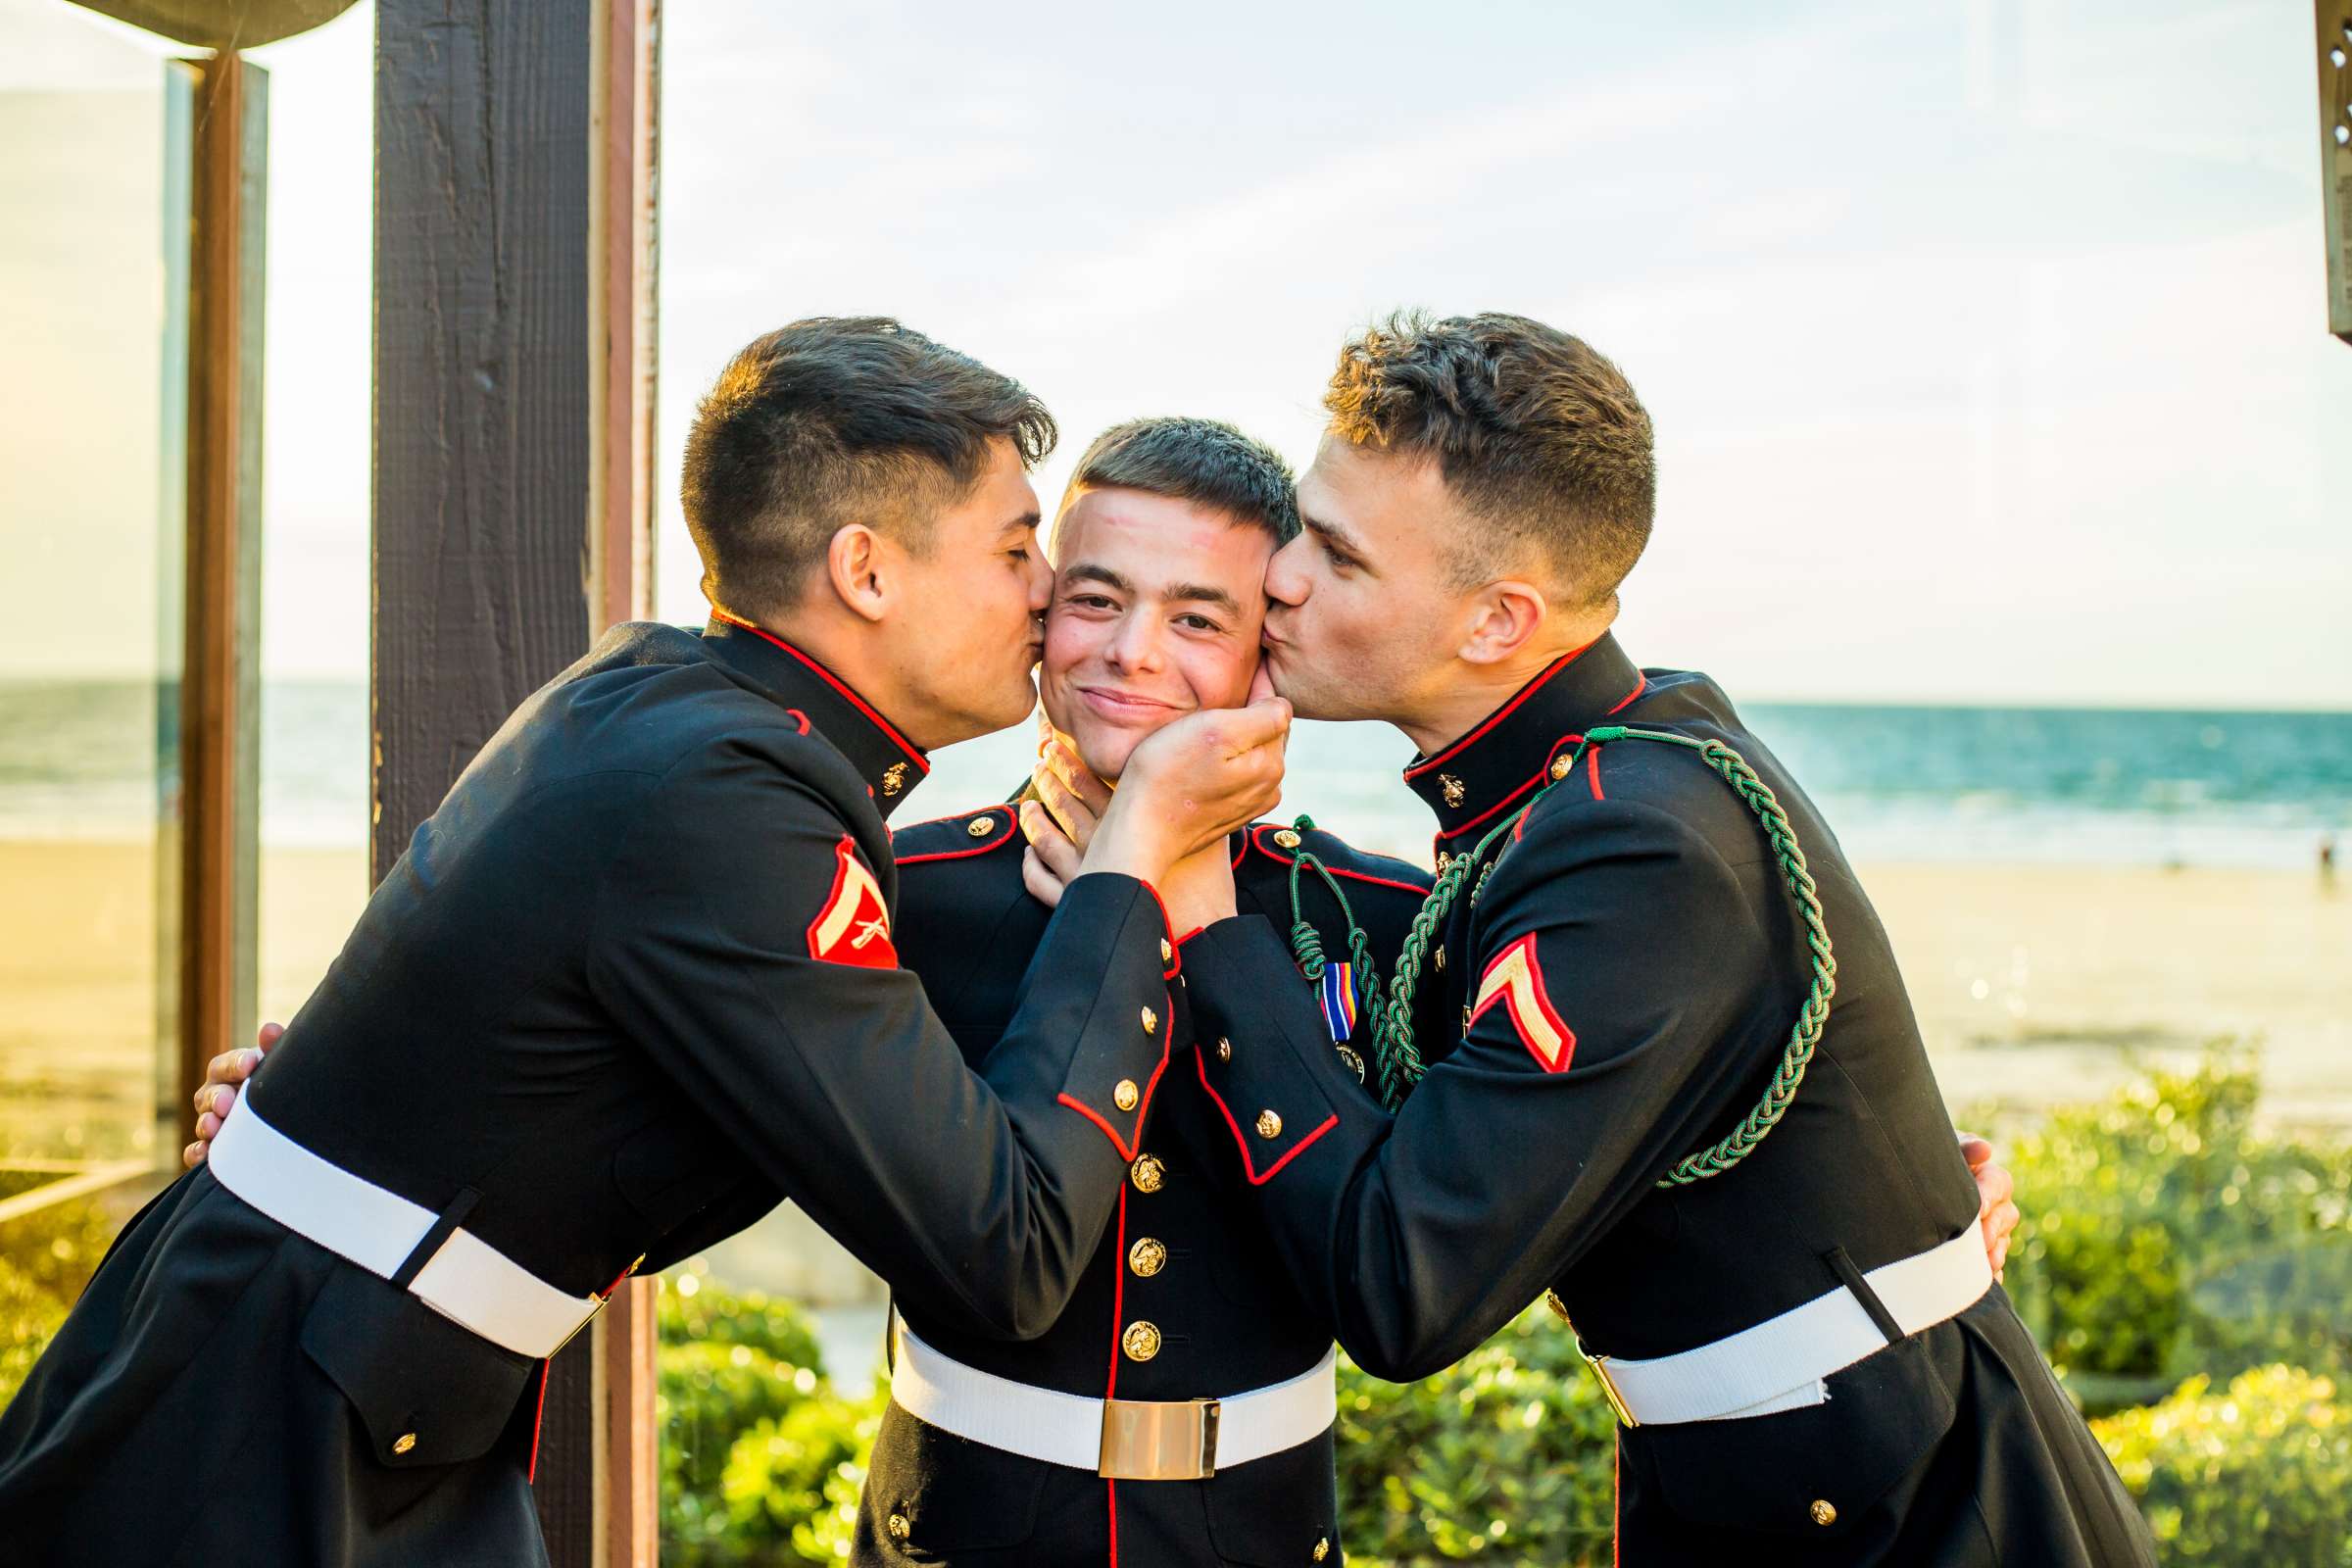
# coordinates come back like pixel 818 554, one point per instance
pixel 514 438
pixel 2334 20
pixel 220 703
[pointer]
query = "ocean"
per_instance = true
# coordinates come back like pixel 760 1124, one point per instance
pixel 2036 785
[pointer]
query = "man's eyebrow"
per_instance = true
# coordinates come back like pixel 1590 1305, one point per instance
pixel 1089 571
pixel 1331 532
pixel 1199 593
pixel 1026 522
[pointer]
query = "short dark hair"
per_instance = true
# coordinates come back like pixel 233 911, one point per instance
pixel 1206 461
pixel 1533 430
pixel 832 420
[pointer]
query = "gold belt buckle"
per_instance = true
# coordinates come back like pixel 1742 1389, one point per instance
pixel 1598 1363
pixel 1145 1439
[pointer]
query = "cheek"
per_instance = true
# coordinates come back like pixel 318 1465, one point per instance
pixel 1066 646
pixel 1218 677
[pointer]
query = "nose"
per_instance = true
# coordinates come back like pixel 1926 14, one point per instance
pixel 1041 583
pixel 1286 575
pixel 1136 646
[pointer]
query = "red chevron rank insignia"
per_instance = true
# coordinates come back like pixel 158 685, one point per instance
pixel 854 927
pixel 1516 980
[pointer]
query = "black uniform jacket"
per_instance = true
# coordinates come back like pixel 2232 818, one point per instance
pixel 1616 996
pixel 1184 1300
pixel 640 959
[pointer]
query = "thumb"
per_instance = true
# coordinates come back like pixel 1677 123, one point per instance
pixel 1261 684
pixel 1976 1150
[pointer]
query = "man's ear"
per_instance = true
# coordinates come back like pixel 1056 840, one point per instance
pixel 1505 618
pixel 855 560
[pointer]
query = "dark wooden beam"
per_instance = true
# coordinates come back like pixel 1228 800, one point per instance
pixel 219 714
pixel 513 342
pixel 2334 18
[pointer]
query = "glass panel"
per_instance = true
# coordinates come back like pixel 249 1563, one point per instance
pixel 95 194
pixel 316 379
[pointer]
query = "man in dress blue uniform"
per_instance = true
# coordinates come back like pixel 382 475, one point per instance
pixel 1649 1051
pixel 644 953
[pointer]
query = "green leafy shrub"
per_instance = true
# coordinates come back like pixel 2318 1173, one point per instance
pixel 45 1258
pixel 2164 1236
pixel 2257 1475
pixel 757 1450
pixel 1510 1457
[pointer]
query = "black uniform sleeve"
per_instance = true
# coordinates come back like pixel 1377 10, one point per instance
pixel 1617 954
pixel 986 1193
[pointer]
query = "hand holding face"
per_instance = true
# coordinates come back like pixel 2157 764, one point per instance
pixel 1187 785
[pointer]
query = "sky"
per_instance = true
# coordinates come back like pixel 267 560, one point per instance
pixel 1984 341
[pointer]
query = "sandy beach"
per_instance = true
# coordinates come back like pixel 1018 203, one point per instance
pixel 2034 984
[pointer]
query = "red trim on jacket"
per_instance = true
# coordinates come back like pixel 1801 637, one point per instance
pixel 1143 1106
pixel 1501 714
pixel 1256 837
pixel 1011 825
pixel 1627 701
pixel 835 681
pixel 1504 803
pixel 1592 767
pixel 1248 1166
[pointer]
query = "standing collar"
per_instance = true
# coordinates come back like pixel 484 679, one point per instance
pixel 1510 753
pixel 890 764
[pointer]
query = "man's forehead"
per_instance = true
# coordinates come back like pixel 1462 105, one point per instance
pixel 1155 537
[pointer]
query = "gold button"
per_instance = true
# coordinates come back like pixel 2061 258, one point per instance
pixel 898 1527
pixel 1125 1094
pixel 404 1442
pixel 1823 1513
pixel 1438 957
pixel 1444 860
pixel 1560 767
pixel 1140 1341
pixel 1224 1048
pixel 1269 1126
pixel 1150 1021
pixel 1146 1173
pixel 979 827
pixel 1167 954
pixel 1147 1256
pixel 1287 839
pixel 1322 1547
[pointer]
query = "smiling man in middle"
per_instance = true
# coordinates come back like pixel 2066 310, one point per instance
pixel 1098 1443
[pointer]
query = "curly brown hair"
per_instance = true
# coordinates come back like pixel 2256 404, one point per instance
pixel 1535 432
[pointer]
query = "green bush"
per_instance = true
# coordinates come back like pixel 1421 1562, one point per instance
pixel 1510 1457
pixel 2164 1236
pixel 45 1260
pixel 757 1450
pixel 2258 1475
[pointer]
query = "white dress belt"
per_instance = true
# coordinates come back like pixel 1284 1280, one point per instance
pixel 466 1280
pixel 1782 1363
pixel 1124 1438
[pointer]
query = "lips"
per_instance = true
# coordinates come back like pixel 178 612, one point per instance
pixel 1116 705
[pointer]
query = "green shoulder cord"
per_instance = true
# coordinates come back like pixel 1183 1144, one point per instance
pixel 1307 943
pixel 1400 1065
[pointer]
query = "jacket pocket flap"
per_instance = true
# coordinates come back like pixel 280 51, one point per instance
pixel 1765 1472
pixel 427 1390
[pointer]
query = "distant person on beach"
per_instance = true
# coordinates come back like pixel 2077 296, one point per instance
pixel 2328 862
pixel 1616 1072
pixel 643 956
